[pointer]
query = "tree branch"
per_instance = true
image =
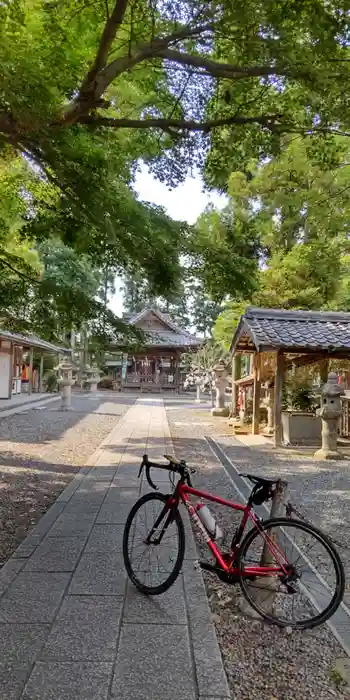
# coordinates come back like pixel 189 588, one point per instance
pixel 112 25
pixel 227 70
pixel 269 120
pixel 98 79
pixel 23 276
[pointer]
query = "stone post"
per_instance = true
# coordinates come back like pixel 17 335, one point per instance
pixel 220 381
pixel 269 402
pixel 264 588
pixel 330 413
pixel 198 382
pixel 66 382
pixel 241 405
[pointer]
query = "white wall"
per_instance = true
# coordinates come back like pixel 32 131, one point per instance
pixel 5 372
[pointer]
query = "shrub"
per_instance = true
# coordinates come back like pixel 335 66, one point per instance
pixel 105 383
pixel 51 382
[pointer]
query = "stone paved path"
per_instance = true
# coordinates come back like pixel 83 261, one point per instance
pixel 71 626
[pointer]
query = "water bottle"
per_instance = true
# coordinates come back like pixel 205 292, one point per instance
pixel 209 522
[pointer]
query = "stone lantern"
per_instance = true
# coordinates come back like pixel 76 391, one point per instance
pixel 330 413
pixel 268 403
pixel 220 382
pixel 65 383
pixel 92 377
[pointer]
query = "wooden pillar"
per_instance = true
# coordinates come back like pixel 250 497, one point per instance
pixel 324 367
pixel 279 377
pixel 236 374
pixel 30 382
pixel 177 373
pixel 41 374
pixel 257 394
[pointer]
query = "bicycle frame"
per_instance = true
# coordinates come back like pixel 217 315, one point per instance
pixel 182 493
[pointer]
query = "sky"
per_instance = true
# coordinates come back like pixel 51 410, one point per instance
pixel 184 203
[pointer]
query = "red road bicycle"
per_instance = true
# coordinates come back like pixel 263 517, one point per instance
pixel 288 579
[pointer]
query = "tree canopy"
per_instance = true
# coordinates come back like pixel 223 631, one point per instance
pixel 255 93
pixel 300 205
pixel 169 68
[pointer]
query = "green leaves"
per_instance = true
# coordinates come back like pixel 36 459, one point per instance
pixel 225 252
pixel 227 322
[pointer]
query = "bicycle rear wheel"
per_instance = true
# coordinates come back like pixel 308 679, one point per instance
pixel 153 544
pixel 313 588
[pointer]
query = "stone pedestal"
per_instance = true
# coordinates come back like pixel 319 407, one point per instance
pixel 65 383
pixel 92 377
pixel 220 382
pixel 330 413
pixel 93 384
pixel 268 403
pixel 198 383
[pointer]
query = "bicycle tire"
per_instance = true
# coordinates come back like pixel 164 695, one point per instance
pixel 322 539
pixel 153 590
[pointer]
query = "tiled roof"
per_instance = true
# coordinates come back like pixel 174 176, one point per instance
pixel 171 336
pixel 163 317
pixel 31 341
pixel 277 328
pixel 170 339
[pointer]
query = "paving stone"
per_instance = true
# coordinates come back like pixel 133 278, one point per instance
pixel 84 505
pixel 114 513
pixel 128 470
pixel 197 601
pixel 125 481
pixel 99 573
pixel 68 681
pixel 45 523
pixel 93 487
pixel 86 629
pixel 33 597
pixel 102 473
pixel 12 682
pixel 210 673
pixel 168 608
pixel 71 488
pixel 117 494
pixel 20 644
pixel 190 549
pixel 72 526
pixel 9 572
pixel 154 663
pixel 24 551
pixel 105 538
pixel 56 554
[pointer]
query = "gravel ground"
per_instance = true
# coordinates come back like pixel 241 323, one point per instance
pixel 260 660
pixel 40 451
pixel 319 490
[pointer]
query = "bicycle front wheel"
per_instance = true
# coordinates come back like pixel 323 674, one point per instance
pixel 153 544
pixel 306 583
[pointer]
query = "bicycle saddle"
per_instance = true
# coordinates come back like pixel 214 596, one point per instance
pixel 262 480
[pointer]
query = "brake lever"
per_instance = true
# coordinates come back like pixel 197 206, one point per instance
pixel 148 477
pixel 143 464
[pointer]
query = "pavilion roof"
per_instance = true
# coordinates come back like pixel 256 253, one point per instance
pixel 170 335
pixel 32 341
pixel 292 331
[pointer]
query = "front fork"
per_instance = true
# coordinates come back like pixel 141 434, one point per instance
pixel 171 507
